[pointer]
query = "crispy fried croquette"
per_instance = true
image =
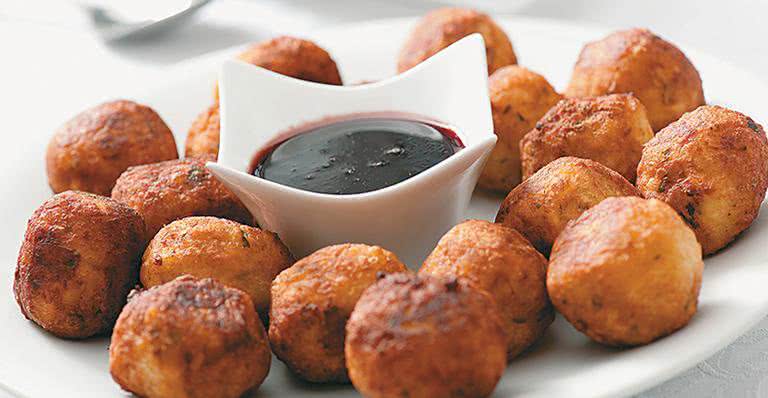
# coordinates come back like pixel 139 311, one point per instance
pixel 189 338
pixel 711 166
pixel 442 27
pixel 90 151
pixel 626 272
pixel 503 263
pixel 639 62
pixel 541 206
pixel 519 98
pixel 79 259
pixel 203 136
pixel 425 336
pixel 312 300
pixel 167 191
pixel 237 255
pixel 609 129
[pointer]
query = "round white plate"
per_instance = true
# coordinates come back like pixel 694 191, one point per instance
pixel 564 363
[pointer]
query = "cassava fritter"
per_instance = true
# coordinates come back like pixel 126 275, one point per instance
pixel 167 191
pixel 203 136
pixel 519 98
pixel 90 151
pixel 425 336
pixel 237 255
pixel 312 300
pixel 711 166
pixel 503 263
pixel 639 62
pixel 626 272
pixel 189 338
pixel 541 206
pixel 79 259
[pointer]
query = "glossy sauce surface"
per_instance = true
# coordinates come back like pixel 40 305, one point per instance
pixel 358 155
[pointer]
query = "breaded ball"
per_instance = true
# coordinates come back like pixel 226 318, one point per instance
pixel 167 191
pixel 711 166
pixel 609 129
pixel 442 27
pixel 503 263
pixel 626 272
pixel 519 98
pixel 79 259
pixel 312 300
pixel 541 206
pixel 189 338
pixel 237 255
pixel 639 62
pixel 90 151
pixel 425 336
pixel 203 136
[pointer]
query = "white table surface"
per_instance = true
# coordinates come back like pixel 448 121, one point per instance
pixel 52 66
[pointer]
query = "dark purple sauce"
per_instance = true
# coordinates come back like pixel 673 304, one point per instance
pixel 357 155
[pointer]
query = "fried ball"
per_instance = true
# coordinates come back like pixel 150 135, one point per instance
pixel 626 272
pixel 237 255
pixel 79 259
pixel 189 338
pixel 610 129
pixel 541 206
pixel 711 166
pixel 442 27
pixel 203 136
pixel 425 336
pixel 639 62
pixel 167 191
pixel 91 150
pixel 503 263
pixel 519 98
pixel 312 300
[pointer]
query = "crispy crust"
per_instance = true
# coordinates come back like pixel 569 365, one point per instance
pixel 312 300
pixel 203 135
pixel 79 259
pixel 711 166
pixel 541 206
pixel 91 150
pixel 503 263
pixel 442 27
pixel 294 57
pixel 639 62
pixel 167 191
pixel 237 255
pixel 519 98
pixel 425 336
pixel 609 129
pixel 626 272
pixel 189 338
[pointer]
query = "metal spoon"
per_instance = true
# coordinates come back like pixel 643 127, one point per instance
pixel 111 29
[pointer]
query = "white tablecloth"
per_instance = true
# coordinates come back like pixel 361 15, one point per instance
pixel 51 66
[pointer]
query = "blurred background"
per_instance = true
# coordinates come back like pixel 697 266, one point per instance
pixel 59 56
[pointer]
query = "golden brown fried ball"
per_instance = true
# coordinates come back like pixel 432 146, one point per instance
pixel 639 62
pixel 711 166
pixel 189 338
pixel 203 136
pixel 237 255
pixel 312 300
pixel 541 206
pixel 626 272
pixel 425 336
pixel 79 259
pixel 91 150
pixel 167 191
pixel 442 27
pixel 519 98
pixel 503 263
pixel 609 129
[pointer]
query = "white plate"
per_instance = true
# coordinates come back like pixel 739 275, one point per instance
pixel 733 297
